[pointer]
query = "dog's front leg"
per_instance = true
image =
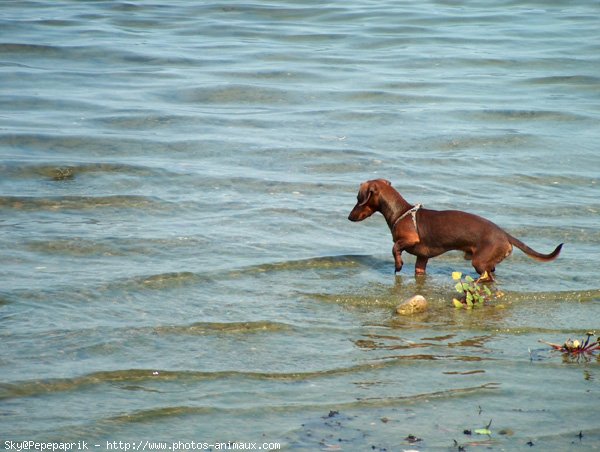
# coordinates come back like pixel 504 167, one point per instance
pixel 397 252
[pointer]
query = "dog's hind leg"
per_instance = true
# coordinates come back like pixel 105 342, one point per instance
pixel 487 257
pixel 421 265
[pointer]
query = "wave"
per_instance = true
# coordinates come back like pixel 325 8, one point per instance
pixel 57 172
pixel 102 58
pixel 526 115
pixel 17 102
pixel 237 94
pixel 375 402
pixel 570 80
pixel 83 202
pixel 135 285
pixel 99 146
pixel 203 328
pixel 436 290
pixel 32 388
pixel 325 262
pixel 161 281
pixel 114 246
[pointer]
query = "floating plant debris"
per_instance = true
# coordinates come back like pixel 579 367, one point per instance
pixel 575 347
pixel 473 292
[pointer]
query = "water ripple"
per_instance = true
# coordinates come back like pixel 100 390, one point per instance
pixel 34 388
pixel 58 203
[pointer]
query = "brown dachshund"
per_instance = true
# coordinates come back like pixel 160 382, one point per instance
pixel 428 233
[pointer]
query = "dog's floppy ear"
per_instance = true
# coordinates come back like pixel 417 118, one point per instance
pixel 366 200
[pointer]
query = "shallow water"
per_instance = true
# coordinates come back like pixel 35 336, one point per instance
pixel 177 263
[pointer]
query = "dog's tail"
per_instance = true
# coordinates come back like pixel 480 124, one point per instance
pixel 532 253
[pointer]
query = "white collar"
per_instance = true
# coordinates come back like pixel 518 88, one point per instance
pixel 412 212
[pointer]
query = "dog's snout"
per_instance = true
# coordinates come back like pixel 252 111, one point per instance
pixel 365 204
pixel 357 214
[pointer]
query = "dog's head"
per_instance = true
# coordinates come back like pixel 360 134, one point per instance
pixel 367 200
